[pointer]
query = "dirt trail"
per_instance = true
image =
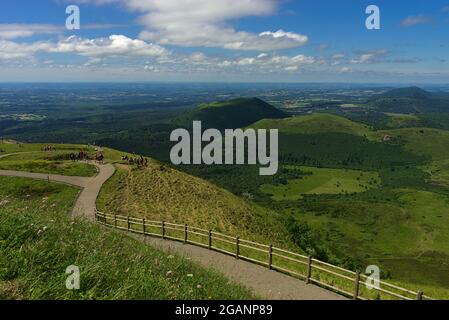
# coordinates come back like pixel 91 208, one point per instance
pixel 267 284
pixel 90 187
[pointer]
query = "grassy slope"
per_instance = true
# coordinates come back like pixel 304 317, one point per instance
pixel 38 241
pixel 162 193
pixel 426 141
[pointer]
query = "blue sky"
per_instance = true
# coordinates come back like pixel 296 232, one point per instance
pixel 225 40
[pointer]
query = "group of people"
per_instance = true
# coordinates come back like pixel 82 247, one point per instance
pixel 48 148
pixel 84 156
pixel 140 161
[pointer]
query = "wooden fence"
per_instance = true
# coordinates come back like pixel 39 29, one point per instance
pixel 343 281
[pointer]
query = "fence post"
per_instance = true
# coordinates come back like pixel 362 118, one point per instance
pixel 129 224
pixel 309 269
pixel 163 229
pixel 144 229
pixel 210 240
pixel 270 257
pixel 419 296
pixel 185 233
pixel 115 221
pixel 237 247
pixel 356 286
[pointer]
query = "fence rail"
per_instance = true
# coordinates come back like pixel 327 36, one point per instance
pixel 346 282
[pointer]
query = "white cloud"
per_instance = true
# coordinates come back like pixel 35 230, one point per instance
pixel 151 68
pixel 266 63
pixel 204 23
pixel 115 45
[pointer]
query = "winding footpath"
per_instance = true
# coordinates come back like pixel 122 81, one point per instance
pixel 85 205
pixel 265 283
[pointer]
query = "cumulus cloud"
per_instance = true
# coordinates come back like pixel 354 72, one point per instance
pixel 267 63
pixel 205 23
pixel 115 45
pixel 416 20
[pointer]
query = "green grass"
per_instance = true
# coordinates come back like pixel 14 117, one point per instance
pixel 38 241
pixel 429 142
pixel 323 181
pixel 425 141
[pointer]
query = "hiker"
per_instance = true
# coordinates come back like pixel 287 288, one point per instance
pixel 99 158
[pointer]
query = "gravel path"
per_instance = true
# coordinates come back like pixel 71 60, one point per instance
pixel 267 284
